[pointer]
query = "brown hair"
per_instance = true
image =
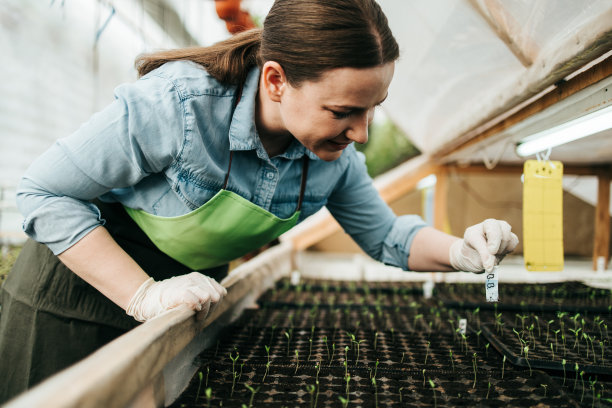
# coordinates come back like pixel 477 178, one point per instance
pixel 306 37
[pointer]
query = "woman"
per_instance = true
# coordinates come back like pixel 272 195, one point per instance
pixel 210 154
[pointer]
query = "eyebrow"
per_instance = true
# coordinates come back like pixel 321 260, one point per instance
pixel 349 107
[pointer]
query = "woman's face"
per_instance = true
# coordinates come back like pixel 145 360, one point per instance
pixel 334 111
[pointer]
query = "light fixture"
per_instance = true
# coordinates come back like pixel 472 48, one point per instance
pixel 578 128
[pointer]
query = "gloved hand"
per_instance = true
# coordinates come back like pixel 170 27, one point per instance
pixel 483 246
pixel 200 292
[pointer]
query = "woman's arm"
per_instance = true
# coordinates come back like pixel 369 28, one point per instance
pixel 101 262
pixel 430 251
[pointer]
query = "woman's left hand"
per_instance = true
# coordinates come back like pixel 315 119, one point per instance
pixel 483 246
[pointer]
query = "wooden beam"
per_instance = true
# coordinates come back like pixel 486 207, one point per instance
pixel 601 244
pixel 562 90
pixel 568 169
pixel 440 219
pixel 508 30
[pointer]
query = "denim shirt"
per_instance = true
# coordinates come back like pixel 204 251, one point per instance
pixel 163 146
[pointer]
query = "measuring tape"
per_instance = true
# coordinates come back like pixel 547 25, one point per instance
pixel 491 285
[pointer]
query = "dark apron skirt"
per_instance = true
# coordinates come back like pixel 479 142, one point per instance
pixel 51 318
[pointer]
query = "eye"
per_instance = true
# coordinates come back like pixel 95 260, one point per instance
pixel 341 115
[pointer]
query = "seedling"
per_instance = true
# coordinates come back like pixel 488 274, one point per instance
pixel 253 392
pixel 563 362
pixel 207 372
pixel 208 394
pixel 503 366
pixel 266 373
pixel 427 352
pixel 582 380
pixel 404 353
pixel 375 339
pixel 240 374
pixel 297 360
pixel 474 365
pixel 487 349
pixel 552 350
pixel 234 373
pixel 332 354
pixel 400 393
pixel 451 359
pixel 527 358
pixel 201 377
pixel 343 401
pixel 375 392
pixel 545 386
pixel 309 349
pixel 288 336
pixel 347 379
pixel 423 377
pixel 548 328
pixel 433 388
pixel 311 389
pixel 576 368
pixel 488 389
pixel 267 352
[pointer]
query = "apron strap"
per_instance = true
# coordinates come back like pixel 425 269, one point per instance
pixel 304 165
pixel 303 182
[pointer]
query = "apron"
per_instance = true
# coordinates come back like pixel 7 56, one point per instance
pixel 226 227
pixel 51 318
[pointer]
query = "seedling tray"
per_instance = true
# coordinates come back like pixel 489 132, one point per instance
pixel 540 356
pixel 292 351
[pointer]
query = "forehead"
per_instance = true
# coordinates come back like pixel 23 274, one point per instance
pixel 351 86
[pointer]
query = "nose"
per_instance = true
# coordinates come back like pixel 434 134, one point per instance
pixel 358 132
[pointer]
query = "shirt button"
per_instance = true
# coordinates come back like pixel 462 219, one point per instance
pixel 270 175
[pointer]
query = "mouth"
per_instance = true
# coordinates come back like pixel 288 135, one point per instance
pixel 338 145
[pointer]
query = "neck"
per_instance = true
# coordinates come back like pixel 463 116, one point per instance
pixel 274 137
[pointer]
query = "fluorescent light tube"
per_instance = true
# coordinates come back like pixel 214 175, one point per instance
pixel 583 126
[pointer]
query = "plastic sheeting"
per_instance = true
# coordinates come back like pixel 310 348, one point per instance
pixel 465 61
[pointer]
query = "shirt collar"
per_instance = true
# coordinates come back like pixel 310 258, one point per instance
pixel 243 131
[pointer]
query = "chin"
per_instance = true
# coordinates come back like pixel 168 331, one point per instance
pixel 328 156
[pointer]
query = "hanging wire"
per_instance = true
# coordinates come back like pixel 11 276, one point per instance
pixel 491 164
pixel 105 24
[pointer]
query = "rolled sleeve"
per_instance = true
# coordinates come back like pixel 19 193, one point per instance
pixel 396 246
pixel 364 215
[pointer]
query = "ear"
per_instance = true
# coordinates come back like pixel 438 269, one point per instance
pixel 273 80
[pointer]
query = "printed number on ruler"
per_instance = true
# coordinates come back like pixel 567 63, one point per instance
pixel 491 286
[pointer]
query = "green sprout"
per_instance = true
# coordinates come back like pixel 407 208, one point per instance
pixel 503 366
pixel 451 359
pixel 208 394
pixel 201 377
pixel 375 392
pixel 474 365
pixel 433 388
pixel 347 379
pixel 488 389
pixel 253 392
pixel 545 386
pixel 563 362
pixel 427 351
pixel 527 358
pixel 297 360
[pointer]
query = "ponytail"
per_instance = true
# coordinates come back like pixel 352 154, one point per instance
pixel 227 61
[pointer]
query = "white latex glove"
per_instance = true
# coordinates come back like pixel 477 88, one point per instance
pixel 483 246
pixel 200 292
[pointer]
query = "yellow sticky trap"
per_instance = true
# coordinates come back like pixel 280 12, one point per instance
pixel 543 215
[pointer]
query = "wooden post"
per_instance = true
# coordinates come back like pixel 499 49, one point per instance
pixel 441 200
pixel 601 244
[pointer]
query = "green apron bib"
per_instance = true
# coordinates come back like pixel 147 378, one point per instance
pixel 226 227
